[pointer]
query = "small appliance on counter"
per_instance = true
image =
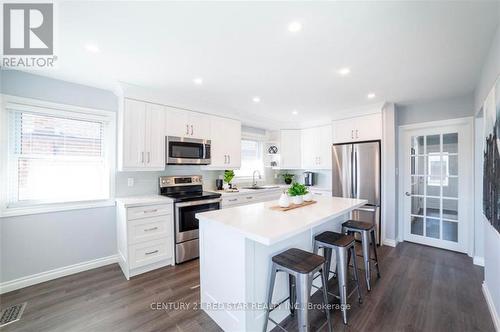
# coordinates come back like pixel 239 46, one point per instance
pixel 189 199
pixel 219 184
pixel 308 179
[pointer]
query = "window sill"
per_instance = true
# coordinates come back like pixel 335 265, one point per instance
pixel 49 208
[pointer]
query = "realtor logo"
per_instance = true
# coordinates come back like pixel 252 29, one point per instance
pixel 28 29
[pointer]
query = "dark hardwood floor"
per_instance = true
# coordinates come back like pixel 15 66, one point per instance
pixel 421 289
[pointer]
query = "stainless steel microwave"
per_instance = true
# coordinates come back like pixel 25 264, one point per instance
pixel 187 151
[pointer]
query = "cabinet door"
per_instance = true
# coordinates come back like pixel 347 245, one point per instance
pixel 369 127
pixel 290 149
pixel 232 128
pixel 134 126
pixel 155 136
pixel 199 125
pixel 324 144
pixel 343 130
pixel 309 148
pixel 177 122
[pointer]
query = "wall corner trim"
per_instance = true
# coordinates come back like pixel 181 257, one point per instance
pixel 390 243
pixel 477 260
pixel 491 306
pixel 37 278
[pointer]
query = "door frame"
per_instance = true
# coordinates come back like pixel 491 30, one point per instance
pixel 468 123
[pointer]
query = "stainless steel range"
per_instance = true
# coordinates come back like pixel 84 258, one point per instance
pixel 189 199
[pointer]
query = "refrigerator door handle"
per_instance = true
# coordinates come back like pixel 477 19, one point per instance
pixel 352 172
pixel 356 172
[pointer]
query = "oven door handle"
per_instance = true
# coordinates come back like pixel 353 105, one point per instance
pixel 194 203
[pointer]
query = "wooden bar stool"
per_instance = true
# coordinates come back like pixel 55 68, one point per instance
pixel 366 230
pixel 343 245
pixel 302 266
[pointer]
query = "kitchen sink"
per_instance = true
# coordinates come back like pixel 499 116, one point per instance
pixel 261 187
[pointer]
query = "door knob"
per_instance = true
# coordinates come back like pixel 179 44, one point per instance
pixel 407 194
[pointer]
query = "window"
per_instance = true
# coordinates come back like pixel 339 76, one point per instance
pixel 57 156
pixel 251 159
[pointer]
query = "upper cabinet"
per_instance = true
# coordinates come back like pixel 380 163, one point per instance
pixel 316 146
pixel 184 123
pixel 226 143
pixel 361 128
pixel 141 136
pixel 290 142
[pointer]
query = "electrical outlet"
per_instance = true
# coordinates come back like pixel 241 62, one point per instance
pixel 130 182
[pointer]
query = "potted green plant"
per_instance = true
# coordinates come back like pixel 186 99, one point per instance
pixel 296 191
pixel 288 177
pixel 228 177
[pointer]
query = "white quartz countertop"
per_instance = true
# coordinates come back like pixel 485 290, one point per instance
pixel 131 201
pixel 260 223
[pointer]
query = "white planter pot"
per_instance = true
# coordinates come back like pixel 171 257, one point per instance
pixel 297 200
pixel 308 197
pixel 284 200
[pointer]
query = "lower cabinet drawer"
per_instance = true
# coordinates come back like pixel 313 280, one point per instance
pixel 142 254
pixel 146 229
pixel 148 211
pixel 230 201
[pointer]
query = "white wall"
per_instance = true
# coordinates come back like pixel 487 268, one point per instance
pixel 41 242
pixel 489 73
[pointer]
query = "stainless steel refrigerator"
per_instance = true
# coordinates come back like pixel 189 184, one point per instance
pixel 356 174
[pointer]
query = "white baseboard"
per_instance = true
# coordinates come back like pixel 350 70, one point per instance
pixel 477 260
pixel 491 306
pixel 390 243
pixel 33 279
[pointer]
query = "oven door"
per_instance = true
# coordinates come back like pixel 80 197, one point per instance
pixel 186 225
pixel 187 151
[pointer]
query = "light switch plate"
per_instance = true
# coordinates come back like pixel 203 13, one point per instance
pixel 130 182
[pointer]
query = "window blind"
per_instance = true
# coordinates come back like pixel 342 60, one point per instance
pixel 57 159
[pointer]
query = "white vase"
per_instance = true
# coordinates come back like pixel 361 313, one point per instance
pixel 308 197
pixel 297 200
pixel 284 200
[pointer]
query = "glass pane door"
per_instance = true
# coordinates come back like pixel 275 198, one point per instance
pixel 434 186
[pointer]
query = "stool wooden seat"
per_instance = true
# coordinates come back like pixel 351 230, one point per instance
pixel 335 239
pixel 361 225
pixel 298 260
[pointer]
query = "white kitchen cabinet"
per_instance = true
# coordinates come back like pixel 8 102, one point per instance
pixel 361 128
pixel 316 147
pixel 142 136
pixel 226 143
pixel 237 199
pixel 182 123
pixel 290 142
pixel 145 234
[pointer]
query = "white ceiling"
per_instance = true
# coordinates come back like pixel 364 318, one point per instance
pixel 401 51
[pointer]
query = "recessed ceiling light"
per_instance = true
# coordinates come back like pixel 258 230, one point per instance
pixel 92 48
pixel 294 26
pixel 295 112
pixel 344 71
pixel 371 95
pixel 256 99
pixel 198 80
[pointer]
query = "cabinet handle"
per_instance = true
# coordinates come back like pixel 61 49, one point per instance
pixel 225 159
pixel 151 229
pixel 191 130
pixel 150 211
pixel 357 134
pixel 249 197
pixel 152 252
pixel 142 157
pixel 187 129
pixel 352 133
pixel 149 157
pixel 232 200
pixel 228 158
pixel 319 194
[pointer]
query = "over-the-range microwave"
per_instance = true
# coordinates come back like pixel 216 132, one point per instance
pixel 187 151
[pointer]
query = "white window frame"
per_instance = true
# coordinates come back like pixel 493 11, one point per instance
pixel 247 178
pixel 9 102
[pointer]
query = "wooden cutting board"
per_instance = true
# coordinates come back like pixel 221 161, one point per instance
pixel 292 206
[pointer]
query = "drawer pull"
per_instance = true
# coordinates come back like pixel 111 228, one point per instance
pixel 233 200
pixel 249 197
pixel 151 229
pixel 150 211
pixel 152 252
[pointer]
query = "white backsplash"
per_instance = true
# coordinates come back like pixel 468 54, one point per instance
pixel 322 178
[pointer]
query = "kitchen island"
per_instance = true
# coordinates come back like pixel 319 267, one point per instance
pixel 236 246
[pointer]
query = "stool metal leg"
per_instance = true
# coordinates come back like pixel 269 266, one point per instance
pixel 342 279
pixel 324 280
pixel 293 293
pixel 365 243
pixel 304 283
pixel 270 295
pixel 327 253
pixel 374 243
pixel 356 277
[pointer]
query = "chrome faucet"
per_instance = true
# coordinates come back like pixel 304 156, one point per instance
pixel 254 183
